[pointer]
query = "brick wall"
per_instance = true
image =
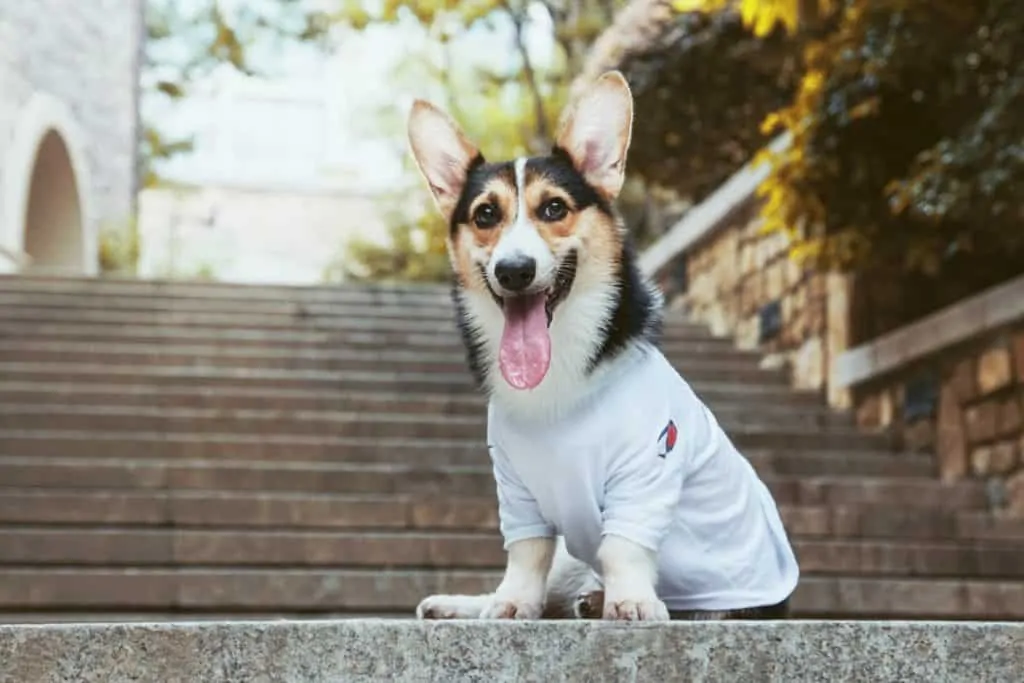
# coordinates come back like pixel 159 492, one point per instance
pixel 742 284
pixel 966 404
pixel 84 53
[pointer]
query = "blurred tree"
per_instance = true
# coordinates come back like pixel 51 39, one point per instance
pixel 907 154
pixel 187 41
pixel 512 110
pixel 908 146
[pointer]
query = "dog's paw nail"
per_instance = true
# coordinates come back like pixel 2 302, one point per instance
pixel 636 610
pixel 445 607
pixel 512 609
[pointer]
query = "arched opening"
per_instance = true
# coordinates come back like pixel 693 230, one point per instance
pixel 54 228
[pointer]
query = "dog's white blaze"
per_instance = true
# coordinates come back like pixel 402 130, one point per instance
pixel 521 237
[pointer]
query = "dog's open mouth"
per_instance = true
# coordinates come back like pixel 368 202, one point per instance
pixel 525 353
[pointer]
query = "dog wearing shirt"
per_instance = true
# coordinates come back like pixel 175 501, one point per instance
pixel 619 494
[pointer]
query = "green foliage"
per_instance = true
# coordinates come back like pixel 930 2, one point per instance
pixel 186 41
pixel 907 157
pixel 119 249
pixel 908 144
pixel 510 113
pixel 414 251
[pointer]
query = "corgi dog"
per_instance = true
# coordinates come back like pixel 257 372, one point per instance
pixel 619 495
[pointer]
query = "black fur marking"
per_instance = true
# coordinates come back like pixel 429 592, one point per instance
pixel 564 280
pixel 494 295
pixel 636 314
pixel 472 338
pixel 478 175
pixel 559 170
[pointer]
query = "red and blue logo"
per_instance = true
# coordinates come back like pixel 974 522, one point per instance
pixel 667 439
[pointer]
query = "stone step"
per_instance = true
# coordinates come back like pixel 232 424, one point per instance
pixel 742 424
pixel 330 442
pixel 299 340
pixel 695 368
pixel 350 380
pixel 334 591
pixel 414 303
pixel 151 333
pixel 411 308
pixel 673 330
pixel 178 289
pixel 275 510
pixel 123 617
pixel 192 351
pixel 446 551
pixel 407 651
pixel 453 481
pixel 368 455
pixel 246 509
pixel 60 395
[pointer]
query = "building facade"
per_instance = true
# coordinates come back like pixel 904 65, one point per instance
pixel 68 129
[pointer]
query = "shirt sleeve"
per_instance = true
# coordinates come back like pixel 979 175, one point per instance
pixel 645 482
pixel 519 514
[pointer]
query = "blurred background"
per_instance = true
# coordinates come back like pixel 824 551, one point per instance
pixel 229 377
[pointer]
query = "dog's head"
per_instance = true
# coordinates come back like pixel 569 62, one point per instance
pixel 525 233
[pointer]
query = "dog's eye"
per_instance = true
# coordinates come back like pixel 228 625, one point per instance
pixel 486 216
pixel 553 210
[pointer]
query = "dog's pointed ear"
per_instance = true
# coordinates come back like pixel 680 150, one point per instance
pixel 595 131
pixel 442 153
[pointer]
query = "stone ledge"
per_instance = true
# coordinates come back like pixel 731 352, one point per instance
pixel 375 650
pixel 967 319
pixel 704 219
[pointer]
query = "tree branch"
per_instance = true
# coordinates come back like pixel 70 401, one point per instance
pixel 543 134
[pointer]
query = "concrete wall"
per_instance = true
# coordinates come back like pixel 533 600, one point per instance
pixel 788 652
pixel 68 89
pixel 238 234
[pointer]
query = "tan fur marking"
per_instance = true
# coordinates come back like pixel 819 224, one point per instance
pixel 499 192
pixel 595 231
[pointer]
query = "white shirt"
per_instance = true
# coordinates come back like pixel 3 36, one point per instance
pixel 608 466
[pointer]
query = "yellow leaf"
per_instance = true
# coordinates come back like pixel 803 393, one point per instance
pixel 788 12
pixel 695 5
pixel 771 123
pixel 749 10
pixel 868 107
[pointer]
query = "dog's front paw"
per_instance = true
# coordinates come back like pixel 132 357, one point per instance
pixel 512 608
pixel 634 608
pixel 451 607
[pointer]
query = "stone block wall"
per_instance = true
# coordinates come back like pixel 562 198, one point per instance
pixel 742 283
pixel 965 404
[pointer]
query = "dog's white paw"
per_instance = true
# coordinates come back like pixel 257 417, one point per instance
pixel 512 608
pixel 634 608
pixel 452 606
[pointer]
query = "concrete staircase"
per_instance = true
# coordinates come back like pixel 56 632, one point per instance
pixel 202 450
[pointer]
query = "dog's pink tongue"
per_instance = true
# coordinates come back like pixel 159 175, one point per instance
pixel 525 352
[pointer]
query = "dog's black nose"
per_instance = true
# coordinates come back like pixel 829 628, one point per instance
pixel 516 274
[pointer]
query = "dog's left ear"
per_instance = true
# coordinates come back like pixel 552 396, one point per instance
pixel 442 153
pixel 595 132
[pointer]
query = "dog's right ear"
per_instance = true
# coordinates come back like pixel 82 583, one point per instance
pixel 442 153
